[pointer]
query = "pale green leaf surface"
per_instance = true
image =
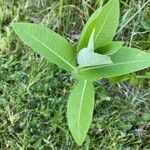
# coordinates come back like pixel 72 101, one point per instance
pixel 105 21
pixel 87 56
pixel 126 60
pixel 91 41
pixel 80 109
pixel 47 43
pixel 109 48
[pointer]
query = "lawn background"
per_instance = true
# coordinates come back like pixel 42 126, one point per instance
pixel 34 92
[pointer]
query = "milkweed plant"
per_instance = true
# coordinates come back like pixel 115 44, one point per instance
pixel 96 57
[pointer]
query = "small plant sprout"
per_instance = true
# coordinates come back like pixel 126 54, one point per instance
pixel 97 57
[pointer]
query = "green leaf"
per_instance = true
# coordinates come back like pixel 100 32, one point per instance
pixel 80 109
pixel 105 21
pixel 87 30
pixel 126 60
pixel 109 48
pixel 133 79
pixel 87 56
pixel 117 79
pixel 47 43
pixel 91 41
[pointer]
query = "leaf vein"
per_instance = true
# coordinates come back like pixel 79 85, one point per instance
pixel 49 49
pixel 80 108
pixel 115 64
pixel 104 22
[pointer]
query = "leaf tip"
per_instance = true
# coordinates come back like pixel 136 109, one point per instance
pixel 79 140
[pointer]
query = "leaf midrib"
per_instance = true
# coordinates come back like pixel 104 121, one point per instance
pixel 49 49
pixel 115 64
pixel 80 108
pixel 82 37
pixel 104 22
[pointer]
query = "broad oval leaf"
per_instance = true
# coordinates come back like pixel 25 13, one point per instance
pixel 80 109
pixel 109 48
pixel 126 60
pixel 47 43
pixel 105 21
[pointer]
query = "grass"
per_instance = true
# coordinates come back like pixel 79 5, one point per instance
pixel 34 92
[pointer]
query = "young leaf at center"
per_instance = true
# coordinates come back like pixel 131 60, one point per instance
pixel 87 57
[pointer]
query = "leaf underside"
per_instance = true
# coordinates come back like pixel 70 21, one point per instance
pixel 80 109
pixel 87 56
